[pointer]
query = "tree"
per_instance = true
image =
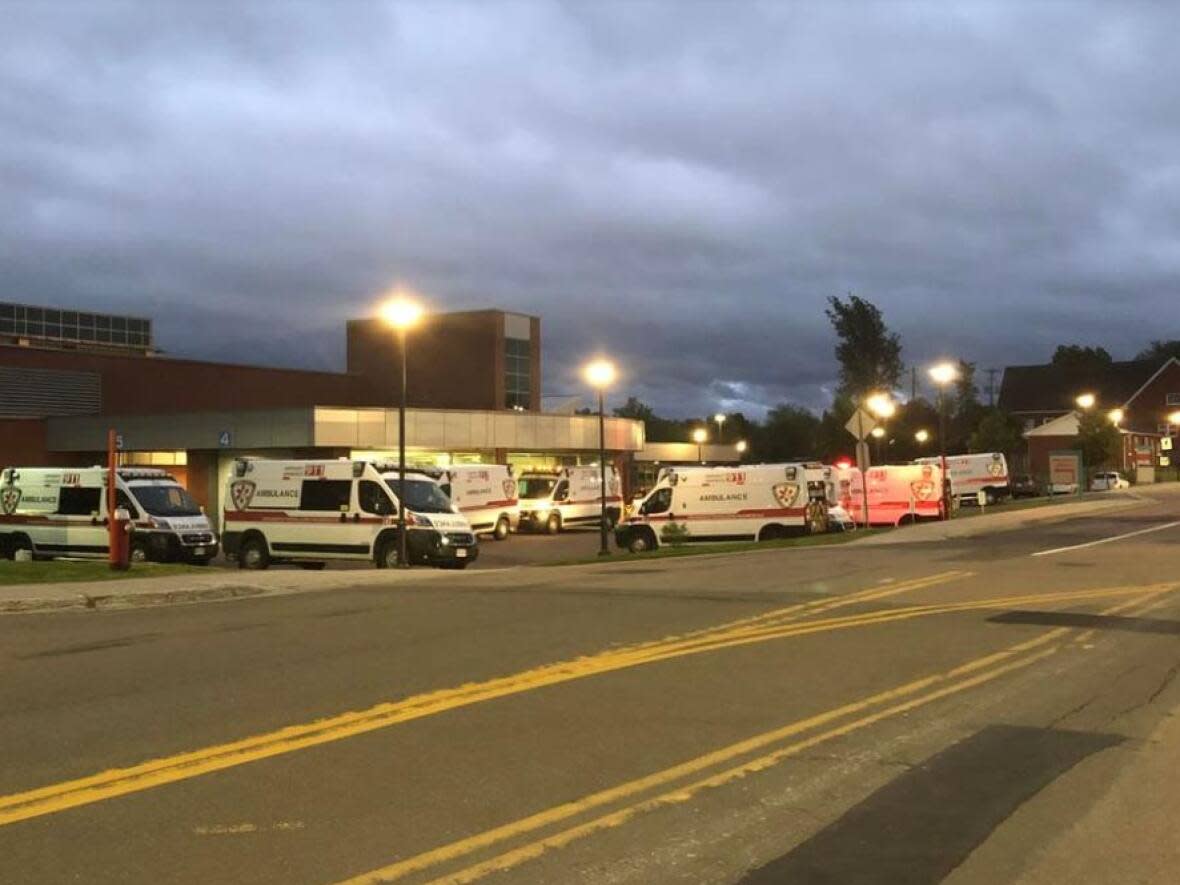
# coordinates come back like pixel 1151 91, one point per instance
pixel 1160 351
pixel 1077 360
pixel 997 432
pixel 1099 440
pixel 832 440
pixel 868 353
pixel 636 409
pixel 965 409
pixel 789 433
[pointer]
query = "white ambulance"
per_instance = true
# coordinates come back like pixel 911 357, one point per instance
pixel 567 497
pixel 758 502
pixel 899 494
pixel 309 512
pixel 970 475
pixel 62 511
pixel 485 494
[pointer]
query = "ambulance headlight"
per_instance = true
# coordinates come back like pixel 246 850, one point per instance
pixel 158 523
pixel 419 519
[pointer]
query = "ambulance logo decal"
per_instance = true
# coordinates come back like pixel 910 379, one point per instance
pixel 9 499
pixel 786 493
pixel 509 489
pixel 242 493
pixel 996 468
pixel 922 490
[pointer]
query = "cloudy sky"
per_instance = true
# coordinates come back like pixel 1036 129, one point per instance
pixel 679 184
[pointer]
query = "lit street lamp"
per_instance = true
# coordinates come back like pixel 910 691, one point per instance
pixel 600 375
pixel 922 436
pixel 700 436
pixel 943 375
pixel 1116 416
pixel 401 315
pixel 878 434
pixel 1086 401
pixel 741 447
pixel 881 405
pixel 719 419
pixel 1174 419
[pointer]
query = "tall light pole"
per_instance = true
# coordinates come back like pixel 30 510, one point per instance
pixel 943 375
pixel 600 375
pixel 878 434
pixel 719 420
pixel 401 314
pixel 700 436
pixel 741 446
pixel 1085 401
pixel 884 408
pixel 922 436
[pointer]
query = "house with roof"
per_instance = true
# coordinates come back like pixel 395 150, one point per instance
pixel 1045 399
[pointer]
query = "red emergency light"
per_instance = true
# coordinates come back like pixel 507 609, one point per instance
pixel 843 463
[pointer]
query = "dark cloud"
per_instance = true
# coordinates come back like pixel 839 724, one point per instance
pixel 678 184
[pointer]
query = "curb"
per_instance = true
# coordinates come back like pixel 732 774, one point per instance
pixel 88 602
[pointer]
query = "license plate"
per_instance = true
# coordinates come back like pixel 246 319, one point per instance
pixel 460 553
pixel 198 551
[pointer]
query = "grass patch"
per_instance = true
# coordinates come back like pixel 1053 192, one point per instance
pixel 60 571
pixel 1027 504
pixel 669 551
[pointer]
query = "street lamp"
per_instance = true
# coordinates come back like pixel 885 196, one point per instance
pixel 719 419
pixel 881 405
pixel 601 374
pixel 1116 416
pixel 878 434
pixel 943 375
pixel 401 314
pixel 1174 419
pixel 700 436
pixel 741 447
pixel 922 436
pixel 1086 400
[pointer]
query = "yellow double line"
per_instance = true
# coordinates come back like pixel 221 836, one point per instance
pixel 884 705
pixel 158 772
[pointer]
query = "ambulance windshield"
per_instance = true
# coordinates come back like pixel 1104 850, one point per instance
pixel 422 495
pixel 165 500
pixel 533 487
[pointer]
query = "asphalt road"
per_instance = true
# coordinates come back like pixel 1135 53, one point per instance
pixel 965 711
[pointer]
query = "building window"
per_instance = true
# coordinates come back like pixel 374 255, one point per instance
pixel 518 373
pixel 1174 399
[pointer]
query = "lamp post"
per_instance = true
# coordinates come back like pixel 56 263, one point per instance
pixel 1116 416
pixel 943 374
pixel 700 436
pixel 401 314
pixel 1085 401
pixel 719 420
pixel 883 407
pixel 878 434
pixel 922 436
pixel 741 447
pixel 600 374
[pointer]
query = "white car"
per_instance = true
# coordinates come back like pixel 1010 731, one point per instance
pixel 1108 481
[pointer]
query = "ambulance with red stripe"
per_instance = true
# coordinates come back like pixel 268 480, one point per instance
pixel 312 512
pixel 899 494
pixel 983 473
pixel 62 511
pixel 485 494
pixel 568 497
pixel 758 502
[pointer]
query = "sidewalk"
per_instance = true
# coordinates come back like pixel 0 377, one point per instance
pixel 1005 520
pixel 206 587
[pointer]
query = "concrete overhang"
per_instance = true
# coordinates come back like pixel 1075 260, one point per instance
pixel 351 428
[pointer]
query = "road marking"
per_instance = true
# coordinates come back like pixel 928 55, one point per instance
pixel 111 784
pixel 1157 528
pixel 1007 661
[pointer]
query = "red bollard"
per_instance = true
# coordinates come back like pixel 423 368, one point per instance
pixel 121 540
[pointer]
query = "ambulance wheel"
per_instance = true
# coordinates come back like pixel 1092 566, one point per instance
pixel 640 543
pixel 139 551
pixel 500 532
pixel 553 524
pixel 817 519
pixel 771 533
pixel 989 497
pixel 387 555
pixel 18 543
pixel 253 554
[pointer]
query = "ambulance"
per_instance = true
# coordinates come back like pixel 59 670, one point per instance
pixel 971 475
pixel 485 494
pixel 62 511
pixel 311 512
pixel 571 496
pixel 899 494
pixel 758 502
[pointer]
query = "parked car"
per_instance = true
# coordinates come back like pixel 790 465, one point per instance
pixel 1108 480
pixel 1025 485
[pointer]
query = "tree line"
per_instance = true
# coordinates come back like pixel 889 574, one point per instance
pixel 869 356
